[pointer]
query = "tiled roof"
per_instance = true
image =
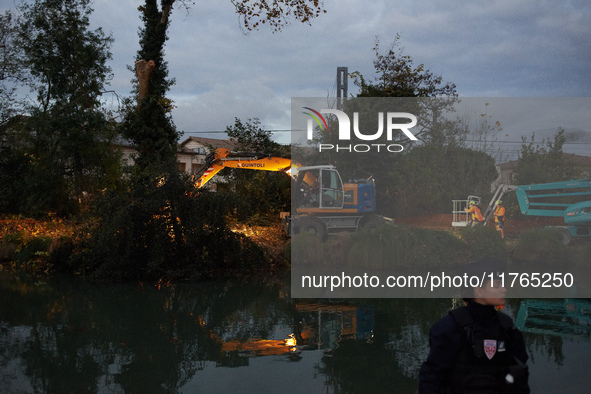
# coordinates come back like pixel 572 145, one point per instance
pixel 215 143
pixel 207 142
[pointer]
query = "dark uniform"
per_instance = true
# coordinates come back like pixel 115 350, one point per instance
pixel 475 349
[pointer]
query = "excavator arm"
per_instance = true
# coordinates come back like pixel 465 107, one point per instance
pixel 222 158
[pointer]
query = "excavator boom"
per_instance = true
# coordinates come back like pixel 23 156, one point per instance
pixel 222 158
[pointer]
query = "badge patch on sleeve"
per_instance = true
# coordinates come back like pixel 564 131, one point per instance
pixel 490 348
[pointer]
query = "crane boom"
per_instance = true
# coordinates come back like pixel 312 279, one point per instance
pixel 570 200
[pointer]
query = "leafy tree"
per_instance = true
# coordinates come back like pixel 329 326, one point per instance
pixel 63 145
pixel 425 175
pixel 68 62
pixel 12 163
pixel 540 163
pixel 429 177
pixel 10 69
pixel 148 124
pixel 261 192
pixel 250 136
pixel 544 163
pixel 398 77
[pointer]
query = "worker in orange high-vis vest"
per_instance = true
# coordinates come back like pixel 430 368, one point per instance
pixel 476 215
pixel 500 217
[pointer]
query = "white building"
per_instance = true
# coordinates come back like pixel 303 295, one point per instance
pixel 192 151
pixel 190 154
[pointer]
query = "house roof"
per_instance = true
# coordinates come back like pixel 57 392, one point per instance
pixel 213 142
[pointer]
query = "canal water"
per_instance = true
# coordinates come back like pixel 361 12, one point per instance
pixel 71 336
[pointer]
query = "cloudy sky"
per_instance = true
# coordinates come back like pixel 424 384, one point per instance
pixel 494 48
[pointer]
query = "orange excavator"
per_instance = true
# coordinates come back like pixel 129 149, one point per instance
pixel 222 158
pixel 321 203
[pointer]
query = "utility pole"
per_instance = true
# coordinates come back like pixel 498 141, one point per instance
pixel 342 86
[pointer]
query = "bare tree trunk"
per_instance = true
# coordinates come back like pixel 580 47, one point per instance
pixel 143 71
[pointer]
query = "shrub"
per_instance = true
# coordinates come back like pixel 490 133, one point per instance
pixel 403 247
pixel 583 256
pixel 164 230
pixel 307 249
pixel 541 246
pixel 483 242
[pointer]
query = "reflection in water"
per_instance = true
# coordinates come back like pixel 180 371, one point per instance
pixel 71 336
pixel 569 318
pixel 261 347
pixel 326 325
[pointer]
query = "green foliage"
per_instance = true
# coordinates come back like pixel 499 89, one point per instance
pixel 12 166
pixel 262 194
pixel 427 178
pixel 9 244
pixel 164 233
pixel 483 242
pixel 152 133
pixel 148 123
pixel 35 247
pixel 159 226
pixel 60 52
pixel 153 37
pixel 385 247
pixel 541 247
pixel 583 256
pixel 27 253
pixel 151 224
pixel 142 229
pixel 307 249
pixel 419 180
pixel 427 174
pixel 59 156
pixel 11 74
pixel 403 247
pixel 52 164
pixel 544 164
pixel 250 136
pixel 398 77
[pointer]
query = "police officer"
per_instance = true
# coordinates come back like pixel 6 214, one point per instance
pixel 475 348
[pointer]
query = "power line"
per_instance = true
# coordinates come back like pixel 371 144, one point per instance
pixel 526 142
pixel 225 131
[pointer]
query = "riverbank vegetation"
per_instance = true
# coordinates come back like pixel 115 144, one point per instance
pixel 53 246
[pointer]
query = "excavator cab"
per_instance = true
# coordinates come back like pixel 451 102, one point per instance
pixel 319 187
